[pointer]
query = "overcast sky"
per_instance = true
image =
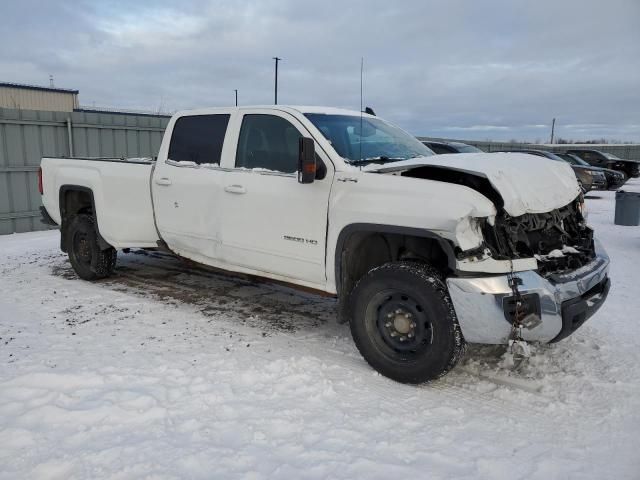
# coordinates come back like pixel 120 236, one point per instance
pixel 459 69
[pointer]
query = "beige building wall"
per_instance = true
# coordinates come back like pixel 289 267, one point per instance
pixel 21 98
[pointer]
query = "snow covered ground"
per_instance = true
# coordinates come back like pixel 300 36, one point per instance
pixel 166 371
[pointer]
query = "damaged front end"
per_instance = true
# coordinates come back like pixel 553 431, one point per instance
pixel 528 269
pixel 546 304
pixel 559 240
pixel 514 239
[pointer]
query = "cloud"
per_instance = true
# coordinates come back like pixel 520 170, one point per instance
pixel 490 69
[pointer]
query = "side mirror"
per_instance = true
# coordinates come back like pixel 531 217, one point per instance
pixel 306 160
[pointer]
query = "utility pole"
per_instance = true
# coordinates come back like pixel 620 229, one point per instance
pixel 276 83
pixel 553 127
pixel 236 97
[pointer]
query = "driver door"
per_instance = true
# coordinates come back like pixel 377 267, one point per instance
pixel 272 223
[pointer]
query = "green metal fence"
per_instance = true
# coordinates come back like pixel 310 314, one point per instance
pixel 28 135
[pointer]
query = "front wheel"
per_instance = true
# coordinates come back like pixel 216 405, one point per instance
pixel 404 324
pixel 87 259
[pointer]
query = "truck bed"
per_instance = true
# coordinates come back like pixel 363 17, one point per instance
pixel 121 184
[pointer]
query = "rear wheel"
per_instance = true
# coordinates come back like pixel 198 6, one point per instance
pixel 87 259
pixel 404 324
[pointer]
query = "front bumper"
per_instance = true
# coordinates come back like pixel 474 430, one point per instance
pixel 614 181
pixel 566 301
pixel 599 184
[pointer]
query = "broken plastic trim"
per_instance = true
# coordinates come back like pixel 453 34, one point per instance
pixel 477 253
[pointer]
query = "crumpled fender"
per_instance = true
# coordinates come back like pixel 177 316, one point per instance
pixel 444 209
pixel 526 183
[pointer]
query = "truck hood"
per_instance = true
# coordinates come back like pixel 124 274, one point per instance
pixel 526 183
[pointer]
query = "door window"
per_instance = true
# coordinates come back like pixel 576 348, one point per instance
pixel 269 142
pixel 198 139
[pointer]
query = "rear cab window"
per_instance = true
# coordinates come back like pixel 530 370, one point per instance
pixel 198 139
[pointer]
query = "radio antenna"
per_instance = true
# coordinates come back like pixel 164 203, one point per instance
pixel 361 102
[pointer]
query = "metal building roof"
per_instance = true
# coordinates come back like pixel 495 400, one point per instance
pixel 38 87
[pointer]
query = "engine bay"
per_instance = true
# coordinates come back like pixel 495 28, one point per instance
pixel 560 240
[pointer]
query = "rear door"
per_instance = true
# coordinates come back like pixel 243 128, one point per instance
pixel 271 222
pixel 187 186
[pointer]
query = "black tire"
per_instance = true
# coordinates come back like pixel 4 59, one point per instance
pixel 403 322
pixel 85 255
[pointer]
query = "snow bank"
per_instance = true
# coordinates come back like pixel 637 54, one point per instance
pixel 166 371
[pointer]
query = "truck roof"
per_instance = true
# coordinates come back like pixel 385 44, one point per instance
pixel 285 108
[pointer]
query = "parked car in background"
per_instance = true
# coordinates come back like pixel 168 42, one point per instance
pixel 630 168
pixel 588 178
pixel 614 178
pixel 451 147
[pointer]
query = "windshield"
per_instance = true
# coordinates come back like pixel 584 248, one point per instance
pixel 553 156
pixel 364 139
pixel 574 160
pixel 462 148
pixel 610 156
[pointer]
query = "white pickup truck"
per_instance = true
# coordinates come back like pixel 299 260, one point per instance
pixel 424 253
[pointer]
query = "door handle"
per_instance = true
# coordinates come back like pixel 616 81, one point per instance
pixel 239 189
pixel 163 181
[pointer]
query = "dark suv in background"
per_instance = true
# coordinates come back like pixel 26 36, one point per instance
pixel 450 147
pixel 631 168
pixel 588 177
pixel 614 178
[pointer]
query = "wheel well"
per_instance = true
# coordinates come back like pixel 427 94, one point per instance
pixel 73 202
pixel 76 200
pixel 361 250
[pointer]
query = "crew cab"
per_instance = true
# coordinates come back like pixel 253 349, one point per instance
pixel 630 168
pixel 425 253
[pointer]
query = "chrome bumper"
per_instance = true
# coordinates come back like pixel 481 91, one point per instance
pixel 566 301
